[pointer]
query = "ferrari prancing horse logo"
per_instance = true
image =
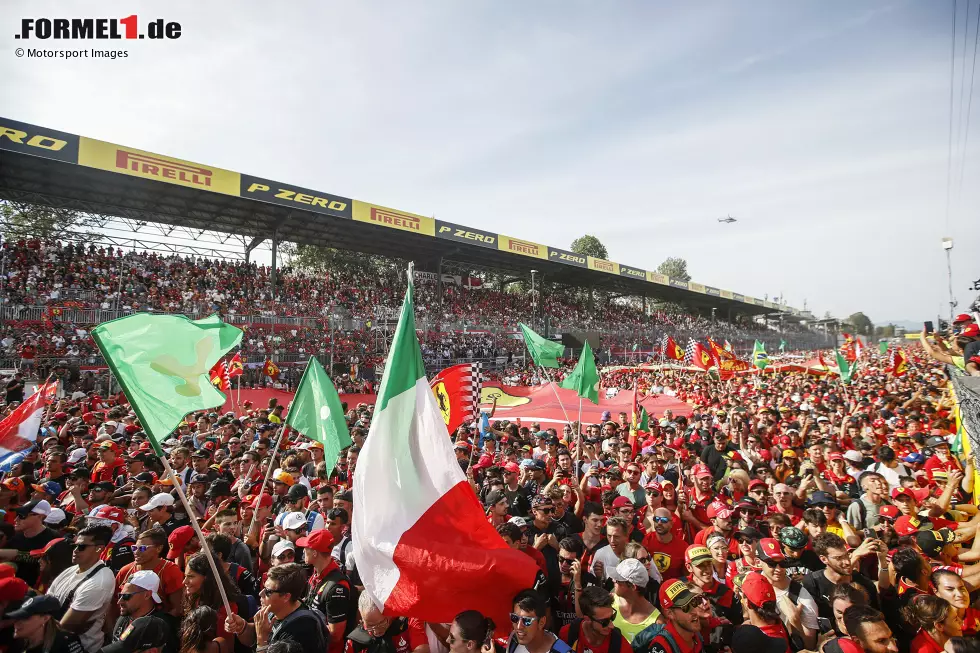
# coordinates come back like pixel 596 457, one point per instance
pixel 443 398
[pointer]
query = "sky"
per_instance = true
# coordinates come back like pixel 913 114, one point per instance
pixel 822 125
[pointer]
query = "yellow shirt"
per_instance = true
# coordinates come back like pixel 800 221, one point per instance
pixel 631 630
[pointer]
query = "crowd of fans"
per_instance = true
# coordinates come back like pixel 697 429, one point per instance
pixel 786 514
pixel 53 293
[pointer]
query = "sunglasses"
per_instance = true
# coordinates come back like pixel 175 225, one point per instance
pixel 265 591
pixel 566 561
pixel 527 622
pixel 143 548
pixel 662 520
pixel 653 493
pixel 128 595
pixel 82 547
pixel 645 560
pixel 696 602
pixel 745 540
pixel 605 622
pixel 546 511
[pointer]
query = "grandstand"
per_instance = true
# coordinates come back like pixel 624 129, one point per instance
pixel 53 292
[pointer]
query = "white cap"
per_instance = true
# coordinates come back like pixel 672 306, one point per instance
pixel 76 456
pixel 632 571
pixel 294 520
pixel 149 581
pixel 853 456
pixel 55 517
pixel 520 522
pixel 41 507
pixel 281 547
pixel 157 500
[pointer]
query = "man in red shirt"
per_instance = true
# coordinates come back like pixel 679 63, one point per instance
pixel 783 494
pixel 666 545
pixel 701 498
pixel 721 522
pixel 940 460
pixel 110 465
pixel 682 634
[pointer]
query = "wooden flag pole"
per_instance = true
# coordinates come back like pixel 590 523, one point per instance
pixel 578 449
pixel 200 535
pixel 265 479
pixel 555 390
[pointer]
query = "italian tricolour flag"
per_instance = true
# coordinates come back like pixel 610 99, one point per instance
pixel 422 542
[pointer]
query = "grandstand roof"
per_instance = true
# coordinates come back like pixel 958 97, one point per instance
pixel 55 168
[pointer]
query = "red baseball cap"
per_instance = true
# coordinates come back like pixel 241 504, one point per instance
pixel 264 500
pixel 653 485
pixel 918 495
pixel 757 589
pixel 888 511
pixel 970 331
pixel 719 510
pixel 178 541
pixel 622 502
pixel 113 513
pixel 908 525
pixel 37 553
pixel 320 540
pixel 962 317
pixel 12 589
pixel 757 482
pixel 701 470
pixel 770 550
pixel 836 456
pixel 512 468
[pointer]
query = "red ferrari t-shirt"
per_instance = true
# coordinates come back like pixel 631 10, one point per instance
pixel 668 557
pixel 583 643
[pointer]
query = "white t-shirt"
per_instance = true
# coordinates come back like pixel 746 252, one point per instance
pixel 93 595
pixel 809 614
pixel 608 558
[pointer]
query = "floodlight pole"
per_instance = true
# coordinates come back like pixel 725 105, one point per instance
pixel 948 246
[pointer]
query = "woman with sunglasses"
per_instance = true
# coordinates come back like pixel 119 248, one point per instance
pixel 746 538
pixel 471 632
pixel 636 551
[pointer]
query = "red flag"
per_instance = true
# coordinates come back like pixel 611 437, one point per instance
pixel 236 366
pixel 720 353
pixel 701 357
pixel 457 392
pixel 219 376
pixel 270 369
pixel 672 350
pixel 18 430
pixel 899 363
pixel 848 348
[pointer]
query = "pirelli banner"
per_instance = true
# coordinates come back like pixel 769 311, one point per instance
pixel 24 138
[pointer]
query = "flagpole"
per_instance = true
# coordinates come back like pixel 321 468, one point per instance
pixel 555 390
pixel 200 535
pixel 578 449
pixel 268 473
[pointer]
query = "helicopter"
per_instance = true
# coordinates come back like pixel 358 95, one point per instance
pixel 728 220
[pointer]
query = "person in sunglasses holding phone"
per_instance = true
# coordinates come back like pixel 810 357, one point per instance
pixel 595 631
pixel 85 589
pixel 530 634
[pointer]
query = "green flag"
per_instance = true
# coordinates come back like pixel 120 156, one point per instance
pixel 162 363
pixel 316 413
pixel 883 347
pixel 584 379
pixel 782 346
pixel 544 352
pixel 845 370
pixel 759 356
pixel 644 424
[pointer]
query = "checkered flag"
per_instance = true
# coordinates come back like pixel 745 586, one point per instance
pixel 476 385
pixel 689 353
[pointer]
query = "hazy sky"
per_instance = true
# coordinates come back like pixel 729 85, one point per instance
pixel 822 125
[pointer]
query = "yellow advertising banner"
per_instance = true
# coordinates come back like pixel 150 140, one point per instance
pixel 727 294
pixel 603 265
pixel 522 247
pixel 696 287
pixel 748 300
pixel 146 165
pixel 656 277
pixel 392 219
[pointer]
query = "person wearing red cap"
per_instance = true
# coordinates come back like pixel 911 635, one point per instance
pixel 148 554
pixel 720 515
pixel 789 594
pixel 760 609
pixel 837 474
pixel 694 511
pixel 329 588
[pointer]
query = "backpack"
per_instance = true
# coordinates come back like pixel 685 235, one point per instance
pixel 323 589
pixel 558 647
pixel 641 643
pixel 300 613
pixel 615 644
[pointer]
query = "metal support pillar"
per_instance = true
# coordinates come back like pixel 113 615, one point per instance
pixel 252 245
pixel 273 279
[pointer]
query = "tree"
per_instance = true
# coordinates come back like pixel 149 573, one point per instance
pixel 863 326
pixel 675 268
pixel 21 220
pixel 590 246
pixel 885 332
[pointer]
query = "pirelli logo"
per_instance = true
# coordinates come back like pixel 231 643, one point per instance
pixel 129 161
pixel 379 215
pixel 155 167
pixel 524 247
pixel 603 266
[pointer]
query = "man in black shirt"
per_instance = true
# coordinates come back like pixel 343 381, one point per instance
pixel 30 534
pixel 833 552
pixel 282 616
pixel 15 389
pixel 800 560
pixel 715 456
pixel 545 534
pixel 141 623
